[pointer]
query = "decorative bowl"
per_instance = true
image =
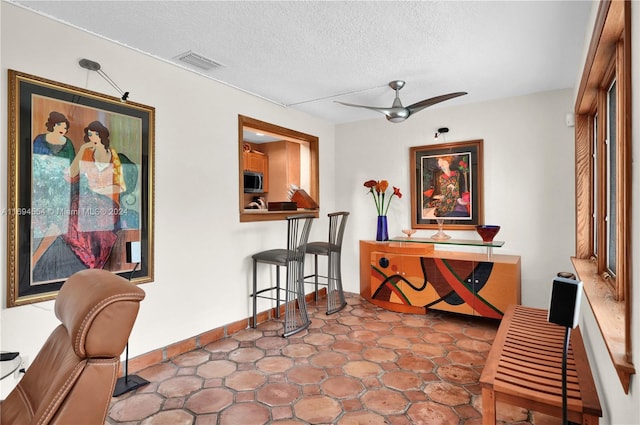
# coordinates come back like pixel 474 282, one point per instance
pixel 408 232
pixel 487 232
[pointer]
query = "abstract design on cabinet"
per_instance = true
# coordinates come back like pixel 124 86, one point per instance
pixel 444 284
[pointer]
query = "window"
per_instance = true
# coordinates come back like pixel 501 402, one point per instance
pixel 275 162
pixel 603 182
pixel 612 180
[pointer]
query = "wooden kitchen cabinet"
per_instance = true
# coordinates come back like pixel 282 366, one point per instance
pixel 257 162
pixel 412 278
pixel 283 156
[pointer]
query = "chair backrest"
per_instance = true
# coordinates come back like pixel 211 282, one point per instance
pixel 337 223
pixel 298 229
pixel 72 378
pixel 296 319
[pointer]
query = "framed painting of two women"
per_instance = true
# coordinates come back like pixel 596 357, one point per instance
pixel 80 186
pixel 446 185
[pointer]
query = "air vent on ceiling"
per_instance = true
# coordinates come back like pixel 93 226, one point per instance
pixel 198 60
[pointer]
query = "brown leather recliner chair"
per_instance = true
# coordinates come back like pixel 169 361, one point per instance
pixel 72 378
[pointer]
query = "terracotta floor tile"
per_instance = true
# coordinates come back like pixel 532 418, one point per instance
pixel 328 359
pixel 304 375
pixel 271 342
pixel 447 393
pixel 411 362
pixel 470 344
pixel 170 417
pixel 432 414
pixel 217 369
pixel 342 387
pixel 246 355
pixel 299 350
pixel 362 369
pixel 136 407
pixel 362 418
pixel 278 394
pixel 379 355
pixel 192 358
pixel 245 414
pixel 467 358
pixel 363 365
pixel 401 380
pixel 274 364
pixel 317 409
pixel 282 412
pixel 376 326
pixel 347 346
pixel 224 345
pixel 159 372
pixel 319 339
pixel 211 419
pixel 385 401
pixel 180 386
pixel 245 380
pixel 438 338
pixel 458 374
pixel 363 335
pixel 428 349
pixel 393 342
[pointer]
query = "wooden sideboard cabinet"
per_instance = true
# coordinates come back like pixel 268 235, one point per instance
pixel 414 277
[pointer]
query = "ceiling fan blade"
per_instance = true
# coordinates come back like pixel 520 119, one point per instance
pixel 418 106
pixel 386 111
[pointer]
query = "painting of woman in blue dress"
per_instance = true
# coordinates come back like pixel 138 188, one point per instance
pixel 52 154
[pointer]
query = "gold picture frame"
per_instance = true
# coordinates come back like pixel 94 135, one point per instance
pixel 80 186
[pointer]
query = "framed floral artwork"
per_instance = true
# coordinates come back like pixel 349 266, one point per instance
pixel 446 184
pixel 80 186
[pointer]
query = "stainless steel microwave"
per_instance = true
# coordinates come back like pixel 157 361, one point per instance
pixel 253 182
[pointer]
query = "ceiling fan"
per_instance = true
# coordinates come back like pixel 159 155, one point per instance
pixel 397 112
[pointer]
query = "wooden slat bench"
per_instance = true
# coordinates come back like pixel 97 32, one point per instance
pixel 524 369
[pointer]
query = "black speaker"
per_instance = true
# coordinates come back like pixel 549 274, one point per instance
pixel 564 309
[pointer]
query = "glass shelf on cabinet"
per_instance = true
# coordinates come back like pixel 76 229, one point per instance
pixel 462 242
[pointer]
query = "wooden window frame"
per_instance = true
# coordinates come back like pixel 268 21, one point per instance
pixel 284 134
pixel 609 58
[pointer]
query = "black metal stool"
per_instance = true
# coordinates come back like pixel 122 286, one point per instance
pixel 332 249
pixel 292 258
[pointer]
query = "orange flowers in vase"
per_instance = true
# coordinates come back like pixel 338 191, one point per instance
pixel 378 190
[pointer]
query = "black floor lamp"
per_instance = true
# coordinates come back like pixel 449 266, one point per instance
pixel 128 383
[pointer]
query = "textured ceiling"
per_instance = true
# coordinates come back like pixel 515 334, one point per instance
pixel 306 54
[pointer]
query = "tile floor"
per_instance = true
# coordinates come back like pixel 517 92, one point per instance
pixel 363 365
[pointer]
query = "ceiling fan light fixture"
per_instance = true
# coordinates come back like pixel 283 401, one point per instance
pixel 395 119
pixel 398 113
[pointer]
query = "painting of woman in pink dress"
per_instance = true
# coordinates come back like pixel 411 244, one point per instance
pixel 96 173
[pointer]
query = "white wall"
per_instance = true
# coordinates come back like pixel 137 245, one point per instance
pixel 202 251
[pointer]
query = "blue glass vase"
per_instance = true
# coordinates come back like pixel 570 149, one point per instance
pixel 383 233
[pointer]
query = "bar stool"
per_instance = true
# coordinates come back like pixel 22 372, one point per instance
pixel 332 249
pixel 292 258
